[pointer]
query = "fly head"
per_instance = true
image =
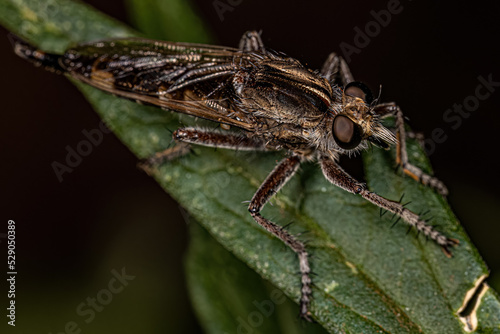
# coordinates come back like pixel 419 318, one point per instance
pixel 354 121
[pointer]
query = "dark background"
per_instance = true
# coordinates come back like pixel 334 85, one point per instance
pixel 108 214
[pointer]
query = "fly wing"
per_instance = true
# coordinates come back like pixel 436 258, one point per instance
pixel 194 79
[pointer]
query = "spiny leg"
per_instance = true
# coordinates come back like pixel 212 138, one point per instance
pixel 158 158
pixel 336 67
pixel 401 152
pixel 251 42
pixel 336 70
pixel 273 183
pixel 336 175
pixel 213 138
pixel 186 136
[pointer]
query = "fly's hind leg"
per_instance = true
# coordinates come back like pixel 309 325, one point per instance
pixel 401 152
pixel 186 136
pixel 169 154
pixel 273 183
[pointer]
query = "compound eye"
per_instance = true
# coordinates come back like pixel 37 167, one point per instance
pixel 359 89
pixel 346 134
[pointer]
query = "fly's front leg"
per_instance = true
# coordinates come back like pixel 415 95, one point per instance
pixel 336 175
pixel 401 152
pixel 186 136
pixel 273 183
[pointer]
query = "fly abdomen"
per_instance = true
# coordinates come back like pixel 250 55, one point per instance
pixel 29 52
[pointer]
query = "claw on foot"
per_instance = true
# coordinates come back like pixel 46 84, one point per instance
pixel 451 243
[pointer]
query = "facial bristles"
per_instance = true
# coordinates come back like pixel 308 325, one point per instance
pixel 383 134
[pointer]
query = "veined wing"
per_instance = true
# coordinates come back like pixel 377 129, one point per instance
pixel 194 79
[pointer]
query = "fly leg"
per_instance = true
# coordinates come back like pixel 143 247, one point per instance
pixel 251 42
pixel 186 136
pixel 336 175
pixel 336 70
pixel 401 152
pixel 169 154
pixel 273 183
pixel 212 138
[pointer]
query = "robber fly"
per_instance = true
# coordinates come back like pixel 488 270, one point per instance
pixel 275 101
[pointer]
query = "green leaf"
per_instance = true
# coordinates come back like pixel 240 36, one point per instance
pixel 54 25
pixel 370 279
pixel 231 298
pixel 168 19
